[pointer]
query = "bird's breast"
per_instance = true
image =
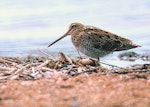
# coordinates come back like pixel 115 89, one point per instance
pixel 77 38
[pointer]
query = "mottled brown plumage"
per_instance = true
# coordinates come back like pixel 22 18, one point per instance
pixel 95 42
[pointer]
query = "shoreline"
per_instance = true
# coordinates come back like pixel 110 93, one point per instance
pixel 33 67
pixel 71 82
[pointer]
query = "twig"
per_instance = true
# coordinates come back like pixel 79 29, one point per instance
pixel 4 77
pixel 11 59
pixel 56 65
pixel 28 65
pixel 33 70
pixel 6 61
pixel 48 55
pixel 47 69
pixel 6 69
pixel 112 65
pixel 40 66
pixel 65 57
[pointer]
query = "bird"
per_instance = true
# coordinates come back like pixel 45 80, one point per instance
pixel 95 42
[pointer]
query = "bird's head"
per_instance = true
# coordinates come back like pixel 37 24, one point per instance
pixel 73 28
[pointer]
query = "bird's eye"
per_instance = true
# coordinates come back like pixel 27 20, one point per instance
pixel 74 26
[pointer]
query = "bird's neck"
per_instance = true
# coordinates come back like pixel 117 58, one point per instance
pixel 76 36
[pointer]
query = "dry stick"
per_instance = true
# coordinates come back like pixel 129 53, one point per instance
pixel 33 70
pixel 113 65
pixel 56 65
pixel 48 55
pixel 47 69
pixel 121 67
pixel 65 57
pixel 6 69
pixel 6 64
pixel 4 77
pixel 24 67
pixel 40 66
pixel 6 61
pixel 15 60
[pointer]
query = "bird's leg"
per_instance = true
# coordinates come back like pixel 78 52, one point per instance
pixel 79 53
pixel 98 62
pixel 98 59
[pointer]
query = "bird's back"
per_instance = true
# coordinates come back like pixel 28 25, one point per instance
pixel 107 41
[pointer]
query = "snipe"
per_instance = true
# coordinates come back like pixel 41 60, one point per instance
pixel 95 42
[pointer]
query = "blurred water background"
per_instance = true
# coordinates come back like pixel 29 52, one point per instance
pixel 29 25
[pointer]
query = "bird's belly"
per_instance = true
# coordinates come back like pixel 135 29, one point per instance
pixel 92 52
pixel 84 43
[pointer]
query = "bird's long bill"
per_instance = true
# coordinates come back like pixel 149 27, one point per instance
pixel 59 38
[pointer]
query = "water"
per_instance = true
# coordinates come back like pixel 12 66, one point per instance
pixel 23 47
pixel 26 47
pixel 27 26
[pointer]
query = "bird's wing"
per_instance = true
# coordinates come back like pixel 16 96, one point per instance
pixel 105 40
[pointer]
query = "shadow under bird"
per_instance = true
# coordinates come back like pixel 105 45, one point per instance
pixel 95 42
